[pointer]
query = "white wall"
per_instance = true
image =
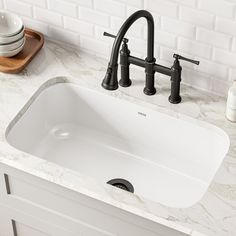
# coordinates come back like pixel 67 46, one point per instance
pixel 201 29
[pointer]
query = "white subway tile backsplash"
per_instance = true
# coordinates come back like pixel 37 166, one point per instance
pixel 200 29
pixel 178 27
pixel 191 3
pixel 40 3
pixel 94 16
pixel 95 45
pixel 48 16
pixel 214 38
pixel 19 7
pixel 196 79
pixel 220 87
pixel 36 25
pixel 162 7
pixel 63 35
pixel 138 45
pixel 131 9
pixel 86 3
pixel 166 54
pixel 78 26
pixel 111 7
pixel 213 68
pixel 226 26
pixel 137 29
pixel 197 17
pixel 194 48
pixel 224 57
pixel 136 3
pixel 166 39
pixel 63 7
pixel 99 34
pixel 218 7
pixel 116 23
pixel 200 81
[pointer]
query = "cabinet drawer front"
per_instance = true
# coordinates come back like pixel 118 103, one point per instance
pixel 24 230
pixel 86 221
pixel 16 223
pixel 75 212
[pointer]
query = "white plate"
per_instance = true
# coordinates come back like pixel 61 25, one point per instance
pixel 13 52
pixel 11 46
pixel 14 38
pixel 10 24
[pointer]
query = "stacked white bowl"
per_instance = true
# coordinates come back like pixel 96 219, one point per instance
pixel 12 37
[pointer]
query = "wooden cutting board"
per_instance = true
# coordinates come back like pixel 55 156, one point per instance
pixel 34 42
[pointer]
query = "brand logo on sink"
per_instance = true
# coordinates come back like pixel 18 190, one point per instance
pixel 142 114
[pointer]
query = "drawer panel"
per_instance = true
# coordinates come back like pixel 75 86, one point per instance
pixel 14 223
pixel 90 221
pixel 74 212
pixel 24 230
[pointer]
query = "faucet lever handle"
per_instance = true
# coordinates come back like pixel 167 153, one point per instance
pixel 125 40
pixel 178 57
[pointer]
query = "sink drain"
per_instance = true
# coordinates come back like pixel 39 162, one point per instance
pixel 122 184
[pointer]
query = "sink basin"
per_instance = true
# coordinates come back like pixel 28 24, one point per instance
pixel 168 160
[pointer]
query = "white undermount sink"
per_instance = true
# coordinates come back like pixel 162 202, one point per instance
pixel 168 160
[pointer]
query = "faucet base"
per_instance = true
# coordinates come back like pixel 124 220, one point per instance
pixel 176 100
pixel 149 91
pixel 110 87
pixel 110 81
pixel 125 83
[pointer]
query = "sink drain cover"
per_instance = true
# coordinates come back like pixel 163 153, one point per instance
pixel 122 184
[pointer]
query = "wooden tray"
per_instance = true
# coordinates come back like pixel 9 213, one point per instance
pixel 14 65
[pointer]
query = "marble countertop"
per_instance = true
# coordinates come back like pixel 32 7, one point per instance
pixel 214 215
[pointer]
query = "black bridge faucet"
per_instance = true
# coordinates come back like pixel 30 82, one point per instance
pixel 110 81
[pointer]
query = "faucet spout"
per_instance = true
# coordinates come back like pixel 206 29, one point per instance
pixel 125 27
pixel 110 81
